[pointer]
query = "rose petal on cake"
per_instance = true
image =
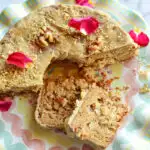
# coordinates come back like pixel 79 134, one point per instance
pixel 85 25
pixel 133 35
pixel 18 59
pixel 143 39
pixel 80 1
pixel 5 105
pixel 87 3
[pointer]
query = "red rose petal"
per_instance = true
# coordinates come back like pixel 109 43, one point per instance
pixel 133 36
pixel 87 4
pixel 141 39
pixel 5 105
pixel 85 25
pixel 18 59
pixel 80 1
pixel 84 3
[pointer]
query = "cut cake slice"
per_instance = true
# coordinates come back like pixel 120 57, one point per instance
pixel 58 95
pixel 96 118
pixel 64 84
pixel 29 36
pixel 57 101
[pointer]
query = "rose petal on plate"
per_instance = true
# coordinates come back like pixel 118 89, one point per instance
pixel 87 3
pixel 18 59
pixel 143 39
pixel 133 35
pixel 5 105
pixel 85 25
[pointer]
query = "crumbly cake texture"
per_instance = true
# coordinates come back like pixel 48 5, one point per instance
pixel 96 117
pixel 65 85
pixel 45 36
pixel 57 101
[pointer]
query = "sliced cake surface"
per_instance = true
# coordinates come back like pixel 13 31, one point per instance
pixel 57 101
pixel 59 93
pixel 65 84
pixel 97 117
pixel 44 36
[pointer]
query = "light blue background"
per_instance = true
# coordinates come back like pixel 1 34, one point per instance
pixel 143 6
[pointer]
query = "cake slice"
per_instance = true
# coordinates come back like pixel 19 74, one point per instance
pixel 97 117
pixel 62 87
pixel 57 100
pixel 64 84
pixel 44 36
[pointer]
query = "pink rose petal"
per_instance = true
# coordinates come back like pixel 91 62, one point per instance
pixel 84 3
pixel 133 36
pixel 85 25
pixel 141 39
pixel 5 105
pixel 18 59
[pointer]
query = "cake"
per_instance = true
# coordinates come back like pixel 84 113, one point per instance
pixel 44 36
pixel 57 98
pixel 65 84
pixel 77 103
pixel 96 117
pixel 57 101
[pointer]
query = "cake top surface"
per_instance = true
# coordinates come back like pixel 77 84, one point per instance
pixel 44 36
